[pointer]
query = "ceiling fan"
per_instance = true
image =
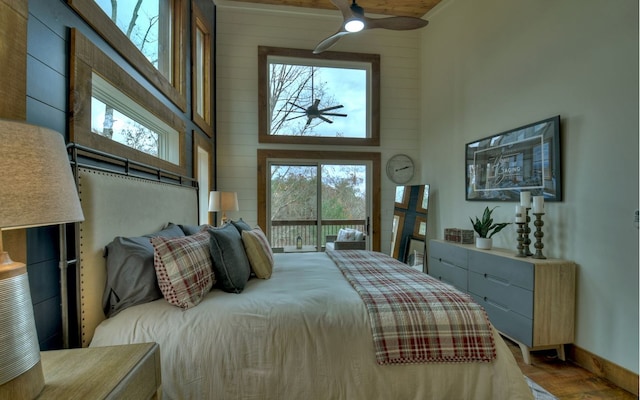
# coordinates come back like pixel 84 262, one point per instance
pixel 355 21
pixel 313 111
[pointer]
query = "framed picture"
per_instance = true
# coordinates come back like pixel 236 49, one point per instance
pixel 527 158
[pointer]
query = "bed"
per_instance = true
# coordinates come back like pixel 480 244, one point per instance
pixel 304 333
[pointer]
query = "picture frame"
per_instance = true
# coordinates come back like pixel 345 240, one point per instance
pixel 527 158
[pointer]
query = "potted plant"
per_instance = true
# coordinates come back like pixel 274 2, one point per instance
pixel 485 228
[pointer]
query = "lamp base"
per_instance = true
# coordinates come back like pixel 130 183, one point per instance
pixel 20 349
pixel 26 386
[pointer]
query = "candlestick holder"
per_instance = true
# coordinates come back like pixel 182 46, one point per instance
pixel 520 247
pixel 526 233
pixel 538 235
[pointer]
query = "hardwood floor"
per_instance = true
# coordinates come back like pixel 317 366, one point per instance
pixel 566 380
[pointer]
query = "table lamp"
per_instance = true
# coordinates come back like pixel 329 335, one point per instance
pixel 223 201
pixel 36 189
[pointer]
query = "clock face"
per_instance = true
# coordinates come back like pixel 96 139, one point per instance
pixel 400 168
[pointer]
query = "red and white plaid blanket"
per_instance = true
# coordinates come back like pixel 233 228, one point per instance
pixel 414 317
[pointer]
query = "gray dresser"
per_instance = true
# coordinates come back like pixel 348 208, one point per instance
pixel 530 301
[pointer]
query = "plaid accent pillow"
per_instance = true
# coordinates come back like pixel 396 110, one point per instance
pixel 258 252
pixel 183 268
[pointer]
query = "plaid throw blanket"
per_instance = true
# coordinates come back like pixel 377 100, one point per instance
pixel 414 317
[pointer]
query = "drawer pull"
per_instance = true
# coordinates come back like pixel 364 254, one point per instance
pixel 500 306
pixel 496 279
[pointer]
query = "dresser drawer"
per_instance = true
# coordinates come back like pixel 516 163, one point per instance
pixel 447 252
pixel 502 293
pixel 514 272
pixel 448 273
pixel 507 322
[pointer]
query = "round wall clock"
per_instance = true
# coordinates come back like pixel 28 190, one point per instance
pixel 400 168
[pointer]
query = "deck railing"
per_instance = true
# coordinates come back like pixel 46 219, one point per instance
pixel 285 233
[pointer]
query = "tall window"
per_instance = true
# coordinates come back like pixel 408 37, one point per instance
pixel 201 99
pixel 313 194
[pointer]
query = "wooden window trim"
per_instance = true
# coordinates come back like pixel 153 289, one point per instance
pixel 98 20
pixel 265 154
pixel 86 58
pixel 263 97
pixel 199 22
pixel 200 141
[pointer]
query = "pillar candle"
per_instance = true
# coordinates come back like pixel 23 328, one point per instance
pixel 538 204
pixel 520 214
pixel 525 199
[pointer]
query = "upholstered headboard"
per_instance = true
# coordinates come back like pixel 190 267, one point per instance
pixel 119 205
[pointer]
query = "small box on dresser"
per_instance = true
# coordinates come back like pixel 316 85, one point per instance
pixel 530 301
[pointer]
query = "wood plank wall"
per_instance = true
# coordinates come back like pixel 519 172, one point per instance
pixel 34 62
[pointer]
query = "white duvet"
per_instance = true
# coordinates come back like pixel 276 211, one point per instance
pixel 303 334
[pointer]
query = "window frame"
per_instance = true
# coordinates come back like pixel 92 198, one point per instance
pixel 264 135
pixel 86 59
pixel 174 89
pixel 265 155
pixel 200 23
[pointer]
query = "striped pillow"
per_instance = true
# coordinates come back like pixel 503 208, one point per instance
pixel 258 252
pixel 183 268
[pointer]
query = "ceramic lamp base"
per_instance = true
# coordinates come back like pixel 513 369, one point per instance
pixel 21 375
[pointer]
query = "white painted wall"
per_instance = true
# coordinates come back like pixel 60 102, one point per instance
pixel 241 28
pixel 492 65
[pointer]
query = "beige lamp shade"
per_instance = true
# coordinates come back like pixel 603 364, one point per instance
pixel 36 184
pixel 223 201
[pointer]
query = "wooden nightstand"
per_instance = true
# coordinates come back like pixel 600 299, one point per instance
pixel 113 372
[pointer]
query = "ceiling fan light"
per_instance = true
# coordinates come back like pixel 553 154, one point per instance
pixel 354 25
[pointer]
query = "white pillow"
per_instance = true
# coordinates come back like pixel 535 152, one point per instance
pixel 349 235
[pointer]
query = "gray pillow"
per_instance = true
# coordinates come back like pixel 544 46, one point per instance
pixel 230 263
pixel 241 226
pixel 131 277
pixel 192 229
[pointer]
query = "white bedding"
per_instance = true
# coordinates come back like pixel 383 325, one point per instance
pixel 303 334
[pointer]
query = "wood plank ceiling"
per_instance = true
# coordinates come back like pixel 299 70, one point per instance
pixel 410 8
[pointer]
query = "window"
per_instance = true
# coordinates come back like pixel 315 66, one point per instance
pixel 330 98
pixel 201 74
pixel 313 194
pixel 202 164
pixel 119 118
pixel 149 34
pixel 126 120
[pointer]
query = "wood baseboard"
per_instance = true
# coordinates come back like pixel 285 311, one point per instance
pixel 615 374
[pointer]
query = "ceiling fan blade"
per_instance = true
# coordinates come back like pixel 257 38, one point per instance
pixel 295 105
pixel 299 116
pixel 331 108
pixel 335 114
pixel 395 23
pixel 330 41
pixel 344 7
pixel 325 119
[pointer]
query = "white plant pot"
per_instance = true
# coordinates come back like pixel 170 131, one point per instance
pixel 484 243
